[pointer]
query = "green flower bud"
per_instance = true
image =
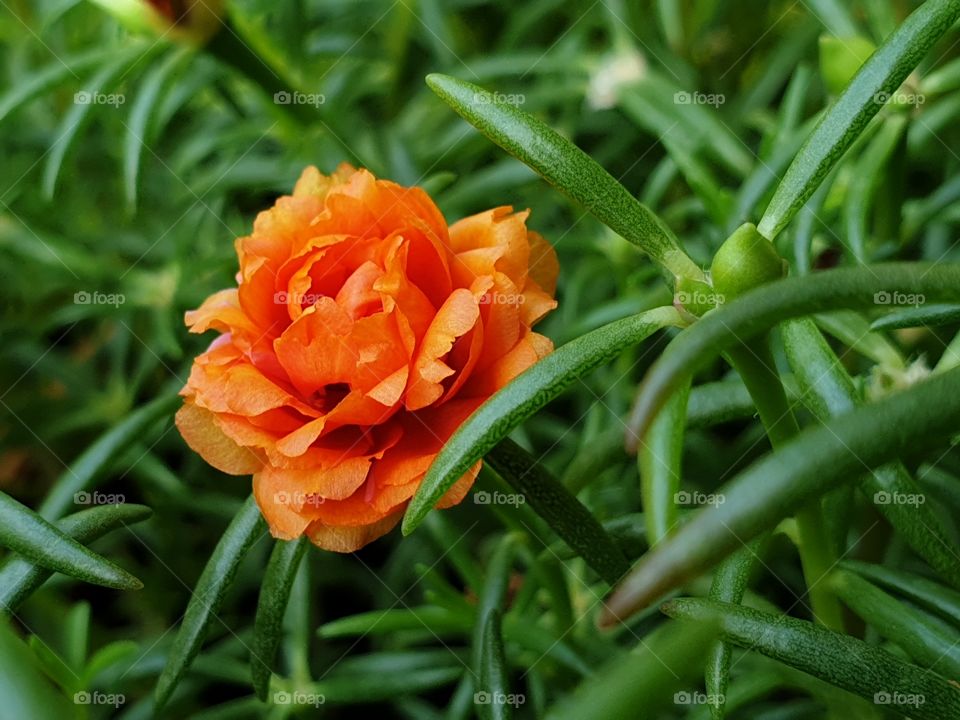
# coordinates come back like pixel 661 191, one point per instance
pixel 695 297
pixel 745 260
pixel 841 58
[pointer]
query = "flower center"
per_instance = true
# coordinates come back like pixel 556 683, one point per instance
pixel 329 396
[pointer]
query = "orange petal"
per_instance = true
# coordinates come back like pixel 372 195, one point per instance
pixel 313 182
pixel 240 389
pixel 202 433
pixel 424 433
pixel 358 510
pixel 501 311
pixel 355 409
pixel 407 297
pixel 536 304
pixel 325 347
pixel 531 348
pixel 244 431
pixel 221 311
pixel 389 390
pixel 463 359
pixel 544 266
pixel 458 491
pixel 272 498
pixel 332 483
pixel 350 539
pixel 455 318
pixel 357 295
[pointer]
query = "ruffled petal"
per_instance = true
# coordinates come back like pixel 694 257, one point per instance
pixel 202 433
pixel 342 539
pixel 544 266
pixel 531 348
pixel 455 318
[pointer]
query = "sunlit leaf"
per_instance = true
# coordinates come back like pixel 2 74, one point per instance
pixel 664 662
pixel 923 316
pixel 25 691
pixel 494 671
pixel 931 595
pixel 659 464
pixel 829 391
pixel 96 95
pixel 141 114
pixel 95 460
pixel 56 72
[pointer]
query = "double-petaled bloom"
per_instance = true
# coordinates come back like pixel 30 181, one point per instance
pixel 362 332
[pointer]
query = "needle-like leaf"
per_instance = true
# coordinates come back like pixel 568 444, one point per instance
pixel 880 76
pixel 838 659
pixel 566 167
pixel 19 577
pixel 274 596
pixel 773 488
pixel 760 309
pixel 247 526
pixel 25 532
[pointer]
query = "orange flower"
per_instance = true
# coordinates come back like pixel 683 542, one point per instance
pixel 362 333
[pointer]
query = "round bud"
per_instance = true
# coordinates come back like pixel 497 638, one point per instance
pixel 695 297
pixel 745 260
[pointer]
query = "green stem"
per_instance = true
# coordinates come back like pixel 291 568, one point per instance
pixel 299 644
pixel 659 462
pixel 755 364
